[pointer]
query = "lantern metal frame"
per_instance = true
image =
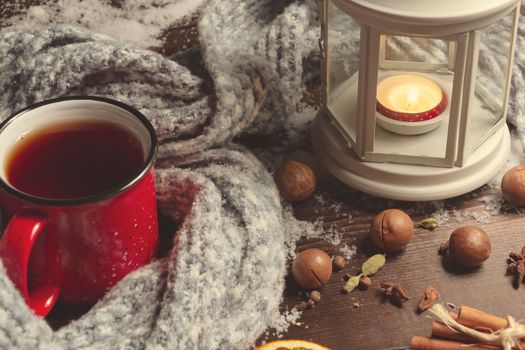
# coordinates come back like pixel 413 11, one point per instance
pixel 350 155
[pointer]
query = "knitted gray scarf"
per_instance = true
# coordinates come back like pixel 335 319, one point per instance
pixel 223 280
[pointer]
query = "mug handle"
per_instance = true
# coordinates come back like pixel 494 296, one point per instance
pixel 16 245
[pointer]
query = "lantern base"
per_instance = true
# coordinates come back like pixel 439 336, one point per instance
pixel 407 182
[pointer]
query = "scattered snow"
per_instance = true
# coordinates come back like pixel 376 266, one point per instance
pixel 282 321
pixel 142 22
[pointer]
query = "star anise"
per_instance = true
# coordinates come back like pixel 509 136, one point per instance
pixel 516 267
pixel 395 292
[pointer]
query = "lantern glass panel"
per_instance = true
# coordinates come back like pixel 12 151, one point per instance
pixel 425 68
pixel 488 106
pixel 342 46
pixel 414 49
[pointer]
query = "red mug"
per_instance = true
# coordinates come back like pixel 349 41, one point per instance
pixel 76 248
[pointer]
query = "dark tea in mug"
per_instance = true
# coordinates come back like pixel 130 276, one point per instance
pixel 74 159
pixel 78 199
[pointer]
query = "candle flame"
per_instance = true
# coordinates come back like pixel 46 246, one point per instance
pixel 413 96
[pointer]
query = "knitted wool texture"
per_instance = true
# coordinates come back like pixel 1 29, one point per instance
pixel 222 282
pixel 223 279
pixel 229 243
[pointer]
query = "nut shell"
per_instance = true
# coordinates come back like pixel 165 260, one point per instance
pixel 338 263
pixel 365 282
pixel 296 181
pixel 469 246
pixel 513 186
pixel 391 230
pixel 312 268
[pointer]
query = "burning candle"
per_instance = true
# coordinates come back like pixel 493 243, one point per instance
pixel 410 98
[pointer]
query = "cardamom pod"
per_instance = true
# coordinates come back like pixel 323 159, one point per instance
pixel 373 264
pixel 429 224
pixel 352 283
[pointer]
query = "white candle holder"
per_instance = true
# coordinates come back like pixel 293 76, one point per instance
pixel 405 121
pixel 406 143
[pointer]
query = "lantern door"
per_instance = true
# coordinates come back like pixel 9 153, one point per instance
pixel 413 109
pixel 341 70
pixel 487 83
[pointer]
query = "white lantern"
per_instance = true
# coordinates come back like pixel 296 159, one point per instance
pixel 415 94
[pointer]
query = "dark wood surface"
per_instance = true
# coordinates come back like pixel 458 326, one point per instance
pixel 377 324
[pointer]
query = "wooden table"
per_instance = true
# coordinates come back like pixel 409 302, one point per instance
pixel 376 324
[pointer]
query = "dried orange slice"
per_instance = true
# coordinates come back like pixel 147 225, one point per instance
pixel 291 344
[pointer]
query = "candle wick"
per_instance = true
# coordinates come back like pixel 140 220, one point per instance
pixel 412 97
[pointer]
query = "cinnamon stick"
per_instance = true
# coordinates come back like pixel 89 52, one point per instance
pixel 440 330
pixel 423 343
pixel 480 320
